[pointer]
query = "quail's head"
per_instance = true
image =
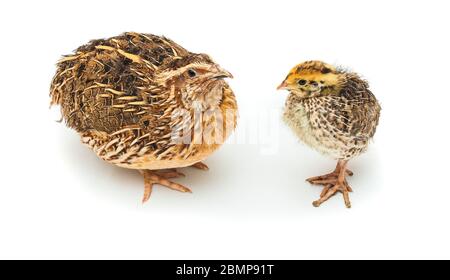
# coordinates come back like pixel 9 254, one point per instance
pixel 312 79
pixel 198 79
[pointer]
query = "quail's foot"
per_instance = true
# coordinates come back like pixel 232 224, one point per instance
pixel 333 183
pixel 161 178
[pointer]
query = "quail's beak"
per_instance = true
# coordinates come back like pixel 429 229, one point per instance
pixel 283 86
pixel 222 74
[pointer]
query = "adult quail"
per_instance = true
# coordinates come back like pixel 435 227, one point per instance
pixel 143 102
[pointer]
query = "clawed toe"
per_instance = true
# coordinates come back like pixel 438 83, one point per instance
pixel 326 179
pixel 330 191
pixel 171 174
pixel 201 166
pixel 161 178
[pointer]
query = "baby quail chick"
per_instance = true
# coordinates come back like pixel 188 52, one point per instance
pixel 143 102
pixel 333 111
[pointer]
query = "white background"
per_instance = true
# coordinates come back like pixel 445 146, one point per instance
pixel 57 200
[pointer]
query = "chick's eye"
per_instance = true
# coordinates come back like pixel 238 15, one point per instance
pixel 302 82
pixel 192 73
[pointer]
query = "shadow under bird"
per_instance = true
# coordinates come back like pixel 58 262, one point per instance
pixel 143 102
pixel 333 111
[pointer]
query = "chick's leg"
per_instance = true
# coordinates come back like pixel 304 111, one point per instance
pixel 161 178
pixel 333 183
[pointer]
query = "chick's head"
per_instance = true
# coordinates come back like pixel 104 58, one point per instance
pixel 312 79
pixel 196 78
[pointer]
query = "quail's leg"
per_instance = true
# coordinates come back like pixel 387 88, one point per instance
pixel 201 166
pixel 161 178
pixel 333 183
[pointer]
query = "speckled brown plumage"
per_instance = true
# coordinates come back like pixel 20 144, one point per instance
pixel 334 112
pixel 143 102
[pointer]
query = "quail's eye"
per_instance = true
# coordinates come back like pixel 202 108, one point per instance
pixel 192 73
pixel 302 82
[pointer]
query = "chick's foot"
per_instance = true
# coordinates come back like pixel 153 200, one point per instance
pixel 161 178
pixel 333 183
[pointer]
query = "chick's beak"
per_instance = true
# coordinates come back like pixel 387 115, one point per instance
pixel 223 74
pixel 283 86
